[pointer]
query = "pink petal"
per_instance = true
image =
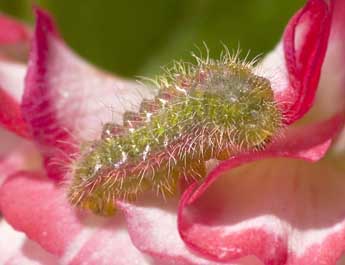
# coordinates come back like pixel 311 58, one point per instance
pixel 35 206
pixel 14 38
pixel 12 31
pixel 16 249
pixel 12 78
pixel 11 90
pixel 246 216
pixel 66 100
pixel 331 90
pixel 294 66
pixel 25 205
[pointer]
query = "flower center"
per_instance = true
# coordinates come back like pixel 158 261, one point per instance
pixel 214 109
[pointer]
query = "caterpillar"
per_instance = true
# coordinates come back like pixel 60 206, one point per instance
pixel 212 109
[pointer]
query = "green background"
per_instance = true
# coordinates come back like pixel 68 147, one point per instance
pixel 137 37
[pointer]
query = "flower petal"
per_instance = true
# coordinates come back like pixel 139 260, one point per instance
pixel 11 90
pixel 66 100
pixel 14 42
pixel 14 38
pixel 153 230
pixel 16 154
pixel 246 216
pixel 35 206
pixel 16 249
pixel 294 66
pixel 110 246
pixel 21 199
pixel 331 91
pixel 12 31
pixel 295 218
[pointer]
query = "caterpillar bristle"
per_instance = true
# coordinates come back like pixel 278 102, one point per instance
pixel 132 120
pixel 111 130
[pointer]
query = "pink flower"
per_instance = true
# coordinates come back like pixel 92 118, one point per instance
pixel 282 205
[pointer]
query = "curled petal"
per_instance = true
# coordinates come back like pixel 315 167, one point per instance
pixel 222 232
pixel 66 100
pixel 294 66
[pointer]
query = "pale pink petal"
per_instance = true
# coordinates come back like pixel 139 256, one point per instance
pixel 246 215
pixel 66 100
pixel 153 229
pixel 331 91
pixel 16 249
pixel 11 90
pixel 296 217
pixel 16 154
pixel 110 245
pixel 14 38
pixel 37 207
pixel 12 78
pixel 8 162
pixel 294 66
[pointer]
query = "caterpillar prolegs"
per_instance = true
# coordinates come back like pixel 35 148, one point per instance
pixel 210 110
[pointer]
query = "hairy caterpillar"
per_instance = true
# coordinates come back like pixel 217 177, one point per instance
pixel 213 109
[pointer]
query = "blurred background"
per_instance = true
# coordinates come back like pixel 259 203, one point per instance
pixel 137 37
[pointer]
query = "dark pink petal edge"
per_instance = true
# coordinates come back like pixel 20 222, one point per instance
pixel 309 143
pixel 305 44
pixel 38 107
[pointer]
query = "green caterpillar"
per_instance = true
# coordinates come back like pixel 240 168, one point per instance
pixel 211 110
